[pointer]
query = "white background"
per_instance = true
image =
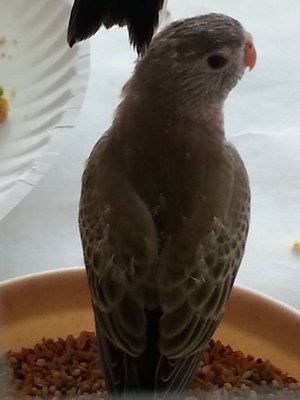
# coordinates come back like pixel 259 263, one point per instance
pixel 262 119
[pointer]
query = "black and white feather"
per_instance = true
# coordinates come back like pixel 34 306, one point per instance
pixel 140 16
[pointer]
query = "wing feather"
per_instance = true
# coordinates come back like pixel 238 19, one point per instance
pixel 195 271
pixel 186 330
pixel 118 237
pixel 141 18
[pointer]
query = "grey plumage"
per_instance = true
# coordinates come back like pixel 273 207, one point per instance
pixel 164 209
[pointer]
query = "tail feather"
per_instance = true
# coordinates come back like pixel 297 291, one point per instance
pixel 140 16
pixel 148 376
pixel 127 376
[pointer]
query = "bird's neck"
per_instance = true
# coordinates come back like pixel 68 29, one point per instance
pixel 163 144
pixel 173 119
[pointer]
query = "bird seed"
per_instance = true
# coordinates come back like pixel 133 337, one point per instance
pixel 69 369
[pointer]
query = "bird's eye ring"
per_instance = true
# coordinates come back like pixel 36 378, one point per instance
pixel 216 61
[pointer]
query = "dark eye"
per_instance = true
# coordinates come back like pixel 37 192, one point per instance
pixel 217 61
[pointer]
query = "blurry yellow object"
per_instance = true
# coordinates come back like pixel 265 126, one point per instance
pixel 297 245
pixel 4 106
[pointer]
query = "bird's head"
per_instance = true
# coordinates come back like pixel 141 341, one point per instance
pixel 200 57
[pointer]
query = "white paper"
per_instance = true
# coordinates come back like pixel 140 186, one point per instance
pixel 45 82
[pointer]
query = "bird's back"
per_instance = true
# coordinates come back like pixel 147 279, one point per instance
pixel 196 232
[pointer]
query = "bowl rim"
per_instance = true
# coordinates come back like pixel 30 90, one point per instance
pixel 239 289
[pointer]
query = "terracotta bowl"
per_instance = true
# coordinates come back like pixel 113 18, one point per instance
pixel 55 304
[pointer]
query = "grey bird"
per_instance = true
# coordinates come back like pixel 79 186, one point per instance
pixel 164 209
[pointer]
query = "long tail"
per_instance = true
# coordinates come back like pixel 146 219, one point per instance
pixel 125 376
pixel 149 376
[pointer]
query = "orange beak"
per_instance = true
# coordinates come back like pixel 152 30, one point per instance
pixel 250 54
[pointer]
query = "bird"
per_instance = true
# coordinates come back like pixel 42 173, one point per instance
pixel 140 16
pixel 165 207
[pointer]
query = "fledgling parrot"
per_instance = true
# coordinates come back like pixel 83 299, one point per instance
pixel 140 16
pixel 164 209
